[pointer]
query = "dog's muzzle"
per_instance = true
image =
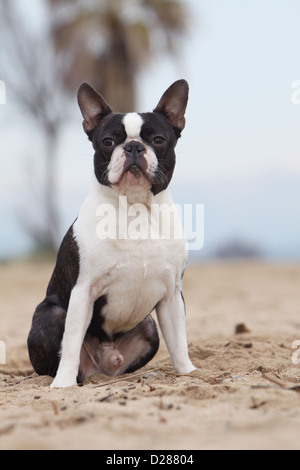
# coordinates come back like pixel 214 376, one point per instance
pixel 135 158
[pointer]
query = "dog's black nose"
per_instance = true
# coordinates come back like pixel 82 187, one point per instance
pixel 134 148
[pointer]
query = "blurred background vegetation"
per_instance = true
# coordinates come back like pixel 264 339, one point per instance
pixel 239 155
pixel 103 42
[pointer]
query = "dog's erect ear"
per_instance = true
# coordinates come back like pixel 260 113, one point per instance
pixel 173 104
pixel 93 107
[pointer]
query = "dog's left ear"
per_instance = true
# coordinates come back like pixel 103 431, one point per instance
pixel 93 107
pixel 173 104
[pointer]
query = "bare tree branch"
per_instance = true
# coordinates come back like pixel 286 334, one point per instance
pixel 33 76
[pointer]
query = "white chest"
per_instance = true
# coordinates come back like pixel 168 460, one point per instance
pixel 138 281
pixel 134 275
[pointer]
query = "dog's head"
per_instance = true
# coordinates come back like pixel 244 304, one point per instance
pixel 133 148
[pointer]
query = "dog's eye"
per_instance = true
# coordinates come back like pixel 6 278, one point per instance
pixel 108 142
pixel 158 140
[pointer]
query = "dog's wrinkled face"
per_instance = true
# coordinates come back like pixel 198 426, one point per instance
pixel 133 149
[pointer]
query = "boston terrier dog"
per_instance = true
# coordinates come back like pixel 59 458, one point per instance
pixel 96 317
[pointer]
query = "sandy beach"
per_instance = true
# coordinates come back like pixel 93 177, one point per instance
pixel 242 319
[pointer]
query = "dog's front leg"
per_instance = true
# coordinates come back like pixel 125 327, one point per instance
pixel 79 315
pixel 171 318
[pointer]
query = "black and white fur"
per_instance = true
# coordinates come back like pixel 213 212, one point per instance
pixel 96 317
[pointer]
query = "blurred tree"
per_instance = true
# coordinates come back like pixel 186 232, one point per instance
pixel 104 42
pixel 238 249
pixel 107 42
pixel 33 78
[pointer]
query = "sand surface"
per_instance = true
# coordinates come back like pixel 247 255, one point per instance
pixel 244 395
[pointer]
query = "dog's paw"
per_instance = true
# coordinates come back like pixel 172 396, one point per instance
pixel 185 368
pixel 63 382
pixel 189 370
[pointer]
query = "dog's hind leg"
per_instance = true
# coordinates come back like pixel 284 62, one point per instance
pixel 45 337
pixel 139 345
pixel 124 353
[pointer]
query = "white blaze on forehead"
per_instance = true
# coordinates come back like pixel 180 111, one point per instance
pixel 133 123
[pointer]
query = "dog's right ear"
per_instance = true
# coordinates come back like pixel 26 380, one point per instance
pixel 93 107
pixel 173 104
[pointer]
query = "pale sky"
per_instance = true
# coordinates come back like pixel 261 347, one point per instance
pixel 240 152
